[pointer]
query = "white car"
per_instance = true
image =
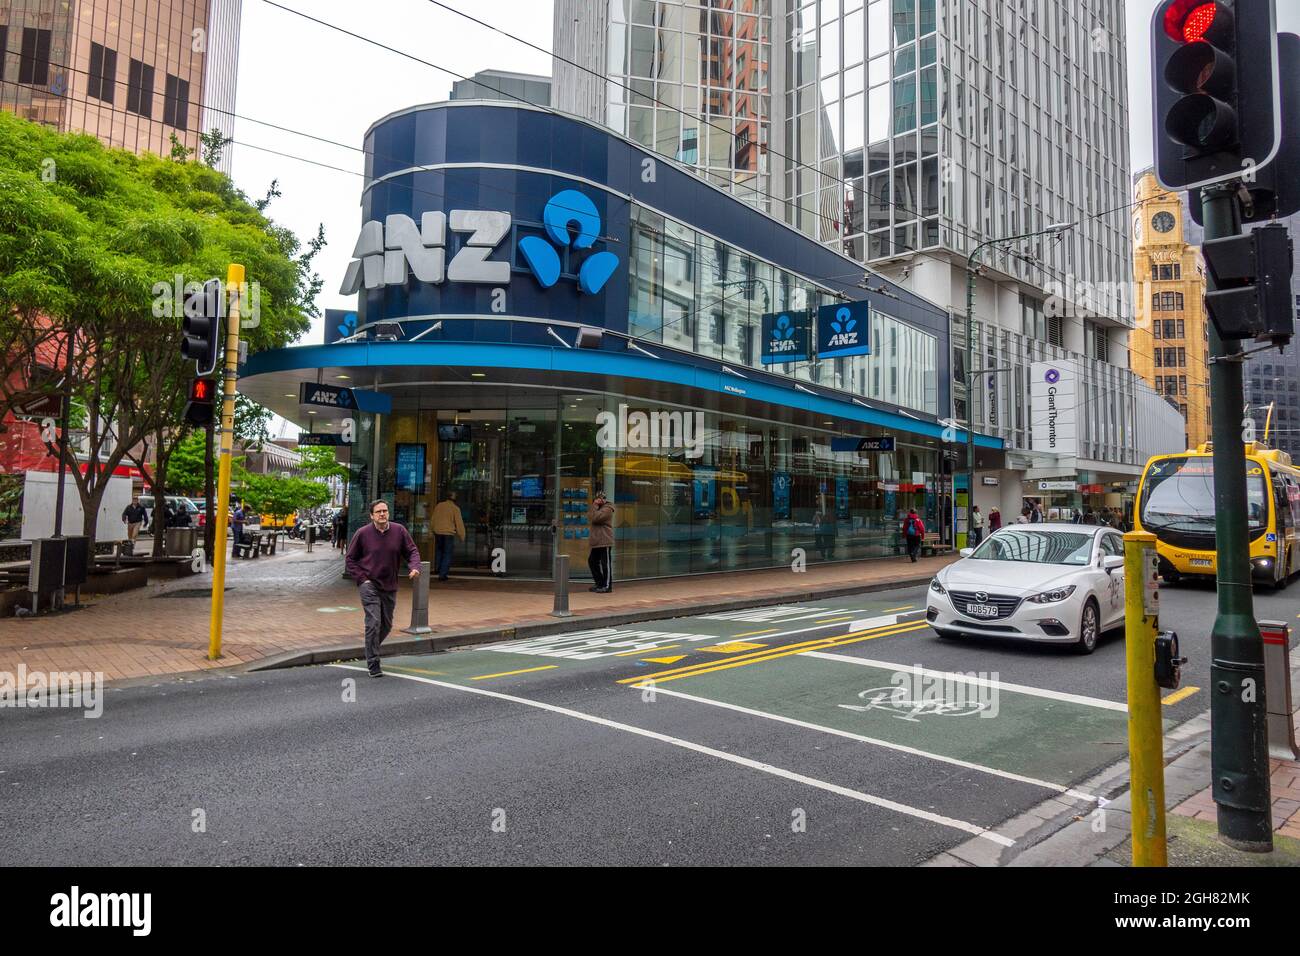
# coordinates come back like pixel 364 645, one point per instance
pixel 1056 583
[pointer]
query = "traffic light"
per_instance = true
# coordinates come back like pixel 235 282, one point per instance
pixel 1216 90
pixel 1275 190
pixel 201 327
pixel 203 397
pixel 1250 277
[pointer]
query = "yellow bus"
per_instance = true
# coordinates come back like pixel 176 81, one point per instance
pixel 1175 502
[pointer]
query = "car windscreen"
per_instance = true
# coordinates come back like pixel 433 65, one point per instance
pixel 1033 546
pixel 1178 495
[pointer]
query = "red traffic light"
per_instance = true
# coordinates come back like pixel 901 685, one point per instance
pixel 1198 21
pixel 202 390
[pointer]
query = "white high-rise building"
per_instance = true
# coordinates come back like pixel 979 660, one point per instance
pixel 906 133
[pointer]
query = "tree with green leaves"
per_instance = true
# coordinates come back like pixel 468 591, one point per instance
pixel 93 243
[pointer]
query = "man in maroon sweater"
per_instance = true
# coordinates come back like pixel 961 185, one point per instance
pixel 372 562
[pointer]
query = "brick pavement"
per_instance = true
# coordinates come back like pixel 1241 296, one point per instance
pixel 296 601
pixel 1284 787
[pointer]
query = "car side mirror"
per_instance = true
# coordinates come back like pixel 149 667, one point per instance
pixel 1112 561
pixel 966 552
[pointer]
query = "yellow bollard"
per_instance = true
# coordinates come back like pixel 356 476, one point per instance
pixel 235 282
pixel 1145 730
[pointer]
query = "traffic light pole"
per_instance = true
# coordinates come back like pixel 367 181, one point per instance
pixel 1239 729
pixel 235 281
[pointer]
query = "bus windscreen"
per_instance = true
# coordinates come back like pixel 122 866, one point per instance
pixel 1178 495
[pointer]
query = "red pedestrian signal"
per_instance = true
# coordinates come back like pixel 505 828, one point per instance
pixel 199 408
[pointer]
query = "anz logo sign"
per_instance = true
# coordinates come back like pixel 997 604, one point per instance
pixel 388 253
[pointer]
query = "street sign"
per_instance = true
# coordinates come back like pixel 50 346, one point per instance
pixel 1058 486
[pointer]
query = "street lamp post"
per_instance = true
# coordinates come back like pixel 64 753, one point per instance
pixel 1052 230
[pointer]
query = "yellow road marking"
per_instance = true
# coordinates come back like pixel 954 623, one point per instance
pixel 753 633
pixel 1181 694
pixel 852 637
pixel 646 650
pixel 417 670
pixel 526 670
pixel 665 660
pixel 905 607
pixel 733 647
pixel 832 620
pixel 633 680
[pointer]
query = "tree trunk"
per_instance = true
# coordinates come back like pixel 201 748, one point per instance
pixel 158 487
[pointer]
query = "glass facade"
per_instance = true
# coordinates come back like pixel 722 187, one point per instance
pixel 746 493
pixel 131 73
pixel 701 295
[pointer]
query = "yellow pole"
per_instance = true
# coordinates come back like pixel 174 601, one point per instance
pixel 1268 421
pixel 235 282
pixel 1145 731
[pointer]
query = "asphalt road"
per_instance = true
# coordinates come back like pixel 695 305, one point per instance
pixel 764 736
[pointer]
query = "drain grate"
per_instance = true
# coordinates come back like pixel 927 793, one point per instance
pixel 189 593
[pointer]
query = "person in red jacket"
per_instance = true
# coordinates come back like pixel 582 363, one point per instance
pixel 995 519
pixel 913 533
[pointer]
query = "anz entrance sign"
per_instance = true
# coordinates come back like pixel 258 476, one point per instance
pixel 389 253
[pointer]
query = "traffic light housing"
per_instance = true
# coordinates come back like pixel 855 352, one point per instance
pixel 201 327
pixel 1215 76
pixel 202 401
pixel 1250 279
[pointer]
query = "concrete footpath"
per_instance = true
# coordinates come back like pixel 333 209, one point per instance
pixel 296 608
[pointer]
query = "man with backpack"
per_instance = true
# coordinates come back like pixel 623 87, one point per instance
pixel 913 533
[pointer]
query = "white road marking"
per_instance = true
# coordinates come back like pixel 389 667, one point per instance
pixel 977 681
pixel 767 768
pixel 901 748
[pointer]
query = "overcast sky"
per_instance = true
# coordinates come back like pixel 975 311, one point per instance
pixel 299 74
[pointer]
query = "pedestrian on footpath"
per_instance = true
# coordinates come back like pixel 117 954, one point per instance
pixel 601 542
pixel 372 562
pixel 134 516
pixel 1023 517
pixel 237 529
pixel 341 529
pixel 913 533
pixel 977 526
pixel 995 519
pixel 447 526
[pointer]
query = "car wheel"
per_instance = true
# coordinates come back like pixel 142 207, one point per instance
pixel 1089 628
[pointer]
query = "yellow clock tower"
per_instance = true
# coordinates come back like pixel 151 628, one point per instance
pixel 1170 346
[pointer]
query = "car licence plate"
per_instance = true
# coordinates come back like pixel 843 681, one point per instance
pixel 982 610
pixel 1201 562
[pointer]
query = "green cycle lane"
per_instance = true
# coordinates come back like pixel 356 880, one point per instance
pixel 1061 741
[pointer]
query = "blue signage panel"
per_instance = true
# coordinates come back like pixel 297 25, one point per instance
pixel 883 443
pixel 331 396
pixel 781 494
pixel 844 329
pixel 311 439
pixel 785 337
pixel 410 467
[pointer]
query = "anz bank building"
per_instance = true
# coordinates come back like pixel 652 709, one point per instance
pixel 544 309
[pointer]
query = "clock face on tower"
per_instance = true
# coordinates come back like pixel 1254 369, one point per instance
pixel 1162 221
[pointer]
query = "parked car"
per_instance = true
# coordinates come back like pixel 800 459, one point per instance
pixel 1056 583
pixel 177 502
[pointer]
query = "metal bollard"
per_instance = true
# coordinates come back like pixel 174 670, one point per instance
pixel 419 602
pixel 1277 690
pixel 1145 731
pixel 561 608
pixel 309 542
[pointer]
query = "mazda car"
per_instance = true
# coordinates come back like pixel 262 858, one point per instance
pixel 1054 583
